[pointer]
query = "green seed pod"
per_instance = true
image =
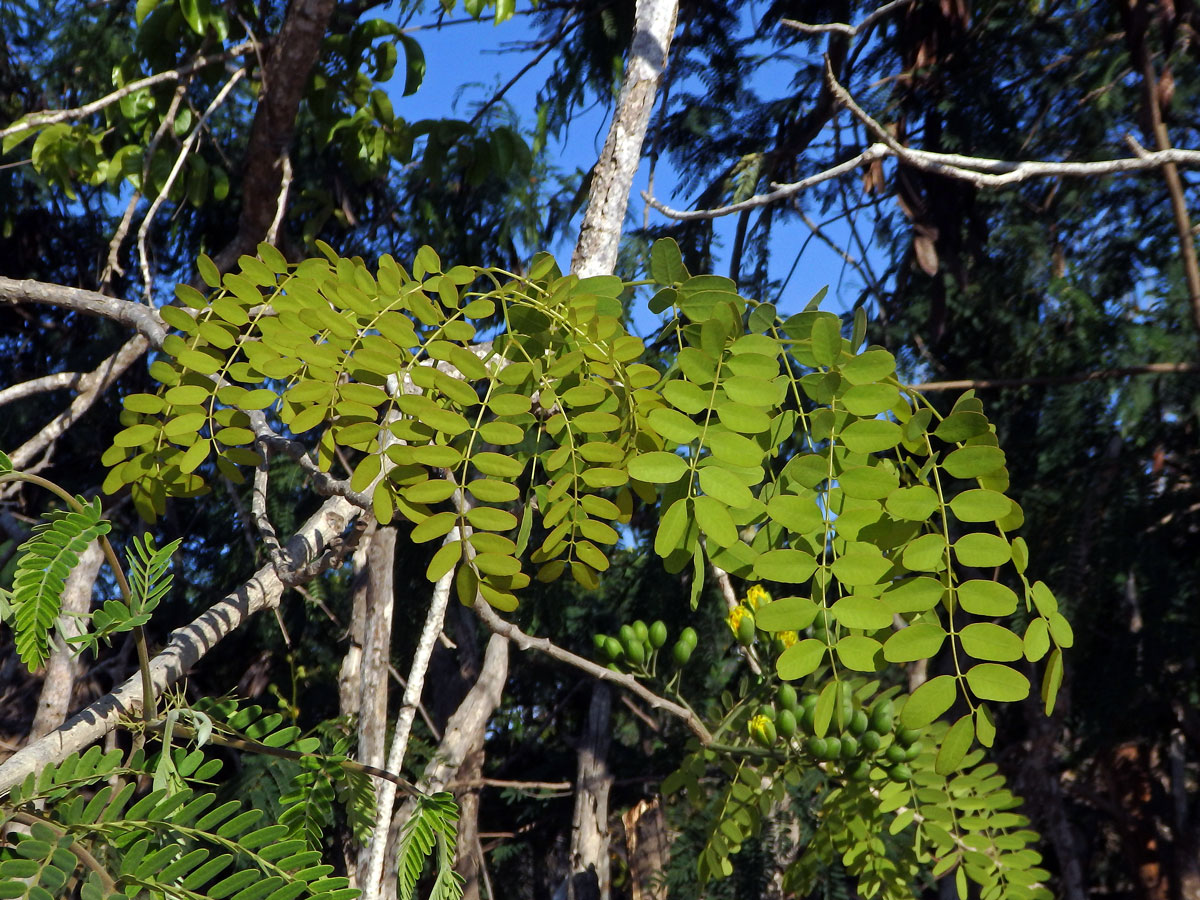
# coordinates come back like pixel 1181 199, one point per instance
pixel 682 652
pixel 689 637
pixel 807 717
pixel 658 634
pixel 612 649
pixel 641 630
pixel 900 772
pixel 883 716
pixel 809 702
pixel 859 770
pixel 816 747
pixel 895 753
pixel 849 746
pixel 598 641
pixel 745 632
pixel 786 723
pixel 906 737
pixel 627 636
pixel 786 697
pixel 766 709
pixel 858 722
pixel 636 653
pixel 870 741
pixel 913 752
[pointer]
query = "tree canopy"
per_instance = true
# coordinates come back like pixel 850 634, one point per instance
pixel 880 588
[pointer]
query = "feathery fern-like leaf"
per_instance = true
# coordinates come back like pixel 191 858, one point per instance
pixel 45 561
pixel 434 825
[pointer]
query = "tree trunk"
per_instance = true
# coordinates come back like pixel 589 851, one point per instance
pixel 373 679
pixel 462 741
pixel 589 876
pixel 58 687
pixel 600 234
pixel 648 849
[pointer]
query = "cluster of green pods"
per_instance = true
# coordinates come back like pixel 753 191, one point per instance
pixel 858 738
pixel 635 644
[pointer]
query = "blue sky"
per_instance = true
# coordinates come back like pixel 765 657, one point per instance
pixel 465 66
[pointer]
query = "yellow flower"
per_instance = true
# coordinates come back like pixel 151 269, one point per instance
pixel 757 596
pixel 735 617
pixel 787 638
pixel 762 730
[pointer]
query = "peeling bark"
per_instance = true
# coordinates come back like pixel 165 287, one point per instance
pixel 63 667
pixel 647 848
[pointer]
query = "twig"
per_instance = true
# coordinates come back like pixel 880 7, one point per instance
pixel 258 508
pixel 780 192
pixel 118 238
pixel 285 184
pixel 1179 368
pixel 37 120
pixel 180 160
pixel 631 684
pixel 842 27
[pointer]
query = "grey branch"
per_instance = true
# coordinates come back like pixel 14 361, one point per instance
pixel 56 382
pixel 979 171
pixel 631 684
pixel 140 318
pixel 188 645
pixel 1179 368
pixel 41 119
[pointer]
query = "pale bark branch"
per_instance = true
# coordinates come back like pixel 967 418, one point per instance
pixel 63 667
pixel 528 642
pixel 91 387
pixel 41 119
pixel 979 171
pixel 842 27
pixel 1180 368
pixel 180 160
pixel 140 318
pixel 56 382
pixel 187 646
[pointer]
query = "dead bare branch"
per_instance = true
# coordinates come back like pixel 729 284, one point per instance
pixel 141 319
pixel 46 383
pixel 842 27
pixel 38 120
pixel 1179 368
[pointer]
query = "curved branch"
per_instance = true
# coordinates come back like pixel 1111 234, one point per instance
pixel 56 382
pixel 1179 368
pixel 142 319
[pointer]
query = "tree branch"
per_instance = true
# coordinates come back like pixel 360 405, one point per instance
pixel 285 76
pixel 600 234
pixel 38 120
pixel 142 319
pixel 188 645
pixel 1180 368
pixel 842 27
pixel 56 382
